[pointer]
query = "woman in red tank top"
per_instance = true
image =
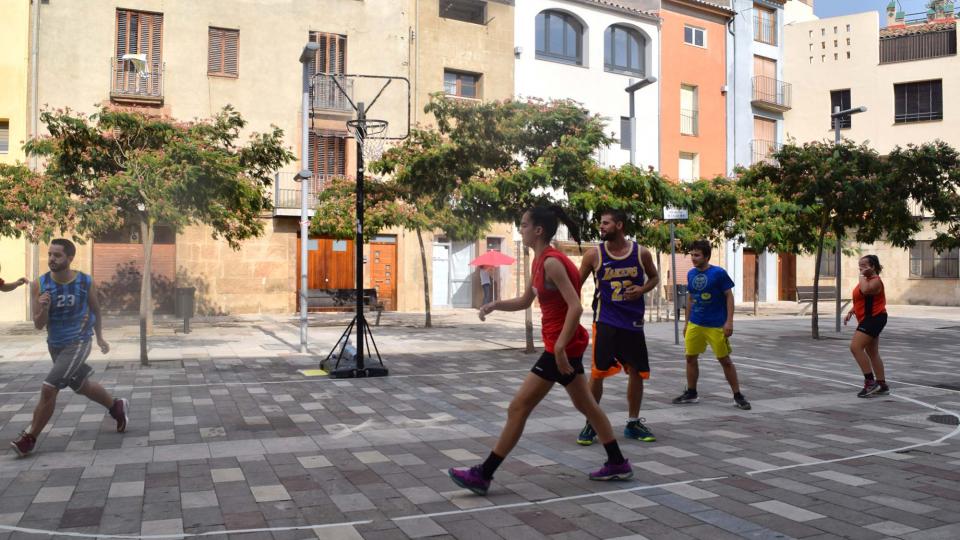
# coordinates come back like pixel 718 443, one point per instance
pixel 556 284
pixel 870 308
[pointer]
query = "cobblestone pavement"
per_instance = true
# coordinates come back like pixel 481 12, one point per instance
pixel 226 435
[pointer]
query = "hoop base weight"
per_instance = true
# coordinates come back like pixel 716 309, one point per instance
pixel 359 373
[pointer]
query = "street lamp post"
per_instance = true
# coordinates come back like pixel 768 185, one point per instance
pixel 632 89
pixel 837 116
pixel 309 53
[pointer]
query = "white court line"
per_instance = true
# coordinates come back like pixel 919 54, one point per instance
pixel 557 499
pixel 26 530
pixel 950 435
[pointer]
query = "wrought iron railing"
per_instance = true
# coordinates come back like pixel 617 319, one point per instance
pixel 765 29
pixel 772 92
pixel 126 81
pixel 763 150
pixel 287 190
pixel 326 95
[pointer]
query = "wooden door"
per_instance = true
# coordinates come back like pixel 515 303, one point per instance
pixel 330 264
pixel 765 79
pixel 749 275
pixel 787 276
pixel 383 272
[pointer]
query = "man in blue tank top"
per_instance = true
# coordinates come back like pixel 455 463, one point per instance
pixel 65 302
pixel 624 271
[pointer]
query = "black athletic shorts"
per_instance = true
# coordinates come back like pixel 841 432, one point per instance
pixel 612 344
pixel 872 326
pixel 546 367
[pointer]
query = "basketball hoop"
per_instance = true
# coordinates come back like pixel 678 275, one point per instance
pixel 371 134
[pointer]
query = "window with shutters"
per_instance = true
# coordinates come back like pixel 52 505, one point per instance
pixel 4 136
pixel 328 153
pixel 223 53
pixel 918 101
pixel 331 59
pixel 138 64
pixel 332 56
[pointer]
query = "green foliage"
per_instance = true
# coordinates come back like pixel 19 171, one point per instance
pixel 31 206
pixel 125 167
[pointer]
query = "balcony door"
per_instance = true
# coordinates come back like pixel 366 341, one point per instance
pixel 765 73
pixel 139 37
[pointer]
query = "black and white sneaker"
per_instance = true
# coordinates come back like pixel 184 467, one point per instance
pixel 870 389
pixel 688 396
pixel 741 402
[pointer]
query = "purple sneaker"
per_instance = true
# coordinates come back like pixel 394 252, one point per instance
pixel 610 471
pixel 471 479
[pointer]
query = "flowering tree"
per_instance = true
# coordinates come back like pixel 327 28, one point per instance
pixel 31 206
pixel 130 168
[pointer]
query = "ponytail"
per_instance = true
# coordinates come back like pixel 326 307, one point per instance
pixel 550 218
pixel 874 263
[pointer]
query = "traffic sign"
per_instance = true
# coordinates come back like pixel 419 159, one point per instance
pixel 672 213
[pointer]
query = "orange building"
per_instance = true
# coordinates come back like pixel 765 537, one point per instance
pixel 693 118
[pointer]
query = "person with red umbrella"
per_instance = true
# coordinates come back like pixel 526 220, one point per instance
pixel 487 266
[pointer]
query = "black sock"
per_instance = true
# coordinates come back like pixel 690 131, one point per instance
pixel 490 466
pixel 882 382
pixel 692 390
pixel 738 395
pixel 868 376
pixel 614 457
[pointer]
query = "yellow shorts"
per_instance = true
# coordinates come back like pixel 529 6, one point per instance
pixel 698 337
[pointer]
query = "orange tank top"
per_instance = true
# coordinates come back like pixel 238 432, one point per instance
pixel 865 306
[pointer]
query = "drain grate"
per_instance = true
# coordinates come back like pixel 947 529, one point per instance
pixel 945 419
pixel 948 328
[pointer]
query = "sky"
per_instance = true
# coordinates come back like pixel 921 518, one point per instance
pixel 832 8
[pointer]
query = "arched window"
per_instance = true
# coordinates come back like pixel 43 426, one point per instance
pixel 559 37
pixel 624 50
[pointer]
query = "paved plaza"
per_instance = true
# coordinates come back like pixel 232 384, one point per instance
pixel 226 437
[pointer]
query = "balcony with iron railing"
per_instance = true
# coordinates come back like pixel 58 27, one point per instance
pixel 286 192
pixel 762 151
pixel 772 94
pixel 128 83
pixel 328 96
pixel 765 29
pixel 689 122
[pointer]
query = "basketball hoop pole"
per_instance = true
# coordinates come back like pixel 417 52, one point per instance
pixel 358 243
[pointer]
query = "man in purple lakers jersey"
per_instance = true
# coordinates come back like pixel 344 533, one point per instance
pixel 65 302
pixel 624 271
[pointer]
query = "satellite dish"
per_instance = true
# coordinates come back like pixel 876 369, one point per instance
pixel 139 62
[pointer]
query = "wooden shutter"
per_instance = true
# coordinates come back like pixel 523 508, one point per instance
pixel 222 55
pixel 139 32
pixel 332 55
pixel 328 153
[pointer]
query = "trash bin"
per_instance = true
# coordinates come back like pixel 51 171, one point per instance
pixel 184 305
pixel 681 295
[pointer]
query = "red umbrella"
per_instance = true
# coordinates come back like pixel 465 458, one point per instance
pixel 493 258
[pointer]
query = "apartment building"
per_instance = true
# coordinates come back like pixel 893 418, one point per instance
pixel 904 74
pixel 15 253
pixel 757 99
pixel 188 60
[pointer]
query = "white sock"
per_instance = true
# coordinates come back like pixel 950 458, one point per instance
pixel 637 419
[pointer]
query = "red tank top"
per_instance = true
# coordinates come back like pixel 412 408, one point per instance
pixel 553 307
pixel 869 305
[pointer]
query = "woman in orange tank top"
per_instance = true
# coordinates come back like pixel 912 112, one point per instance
pixel 870 308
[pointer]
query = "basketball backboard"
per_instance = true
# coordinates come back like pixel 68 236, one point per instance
pixel 384 97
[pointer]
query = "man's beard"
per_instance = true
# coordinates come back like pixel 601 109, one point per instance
pixel 606 237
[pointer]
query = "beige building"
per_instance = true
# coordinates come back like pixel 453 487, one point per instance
pixel 188 60
pixel 905 75
pixel 14 126
pixel 465 49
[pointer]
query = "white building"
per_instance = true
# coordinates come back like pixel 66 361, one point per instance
pixel 590 51
pixel 758 97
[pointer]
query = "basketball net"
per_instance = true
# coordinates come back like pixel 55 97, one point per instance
pixel 371 135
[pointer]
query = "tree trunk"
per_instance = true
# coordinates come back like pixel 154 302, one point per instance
pixel 815 318
pixel 427 323
pixel 146 292
pixel 756 280
pixel 527 313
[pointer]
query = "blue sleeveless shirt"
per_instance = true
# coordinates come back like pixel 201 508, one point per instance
pixel 613 278
pixel 70 317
